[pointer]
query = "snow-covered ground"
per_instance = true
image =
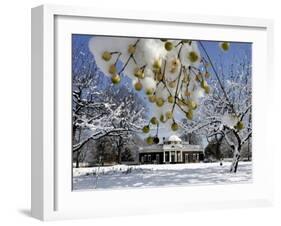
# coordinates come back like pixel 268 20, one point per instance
pixel 123 176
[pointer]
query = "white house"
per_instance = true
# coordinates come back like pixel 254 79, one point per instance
pixel 172 150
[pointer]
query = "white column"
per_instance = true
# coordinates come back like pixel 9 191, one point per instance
pixel 164 156
pixel 176 156
pixel 170 156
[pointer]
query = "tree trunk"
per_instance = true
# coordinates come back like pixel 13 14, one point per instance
pixel 218 151
pixel 249 150
pixel 235 161
pixel 236 153
pixel 119 145
pixel 119 155
pixel 77 160
pixel 78 151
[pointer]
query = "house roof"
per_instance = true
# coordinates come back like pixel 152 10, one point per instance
pixel 174 138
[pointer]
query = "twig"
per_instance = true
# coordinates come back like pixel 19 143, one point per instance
pixel 217 76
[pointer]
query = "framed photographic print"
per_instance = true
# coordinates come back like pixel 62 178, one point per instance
pixel 134 113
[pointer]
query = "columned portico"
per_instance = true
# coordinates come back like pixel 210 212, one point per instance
pixel 172 156
pixel 172 150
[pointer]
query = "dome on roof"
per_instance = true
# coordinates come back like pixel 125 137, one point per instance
pixel 174 138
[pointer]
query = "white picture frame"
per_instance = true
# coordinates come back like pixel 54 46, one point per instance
pixel 52 197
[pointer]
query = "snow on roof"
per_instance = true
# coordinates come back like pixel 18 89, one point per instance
pixel 174 138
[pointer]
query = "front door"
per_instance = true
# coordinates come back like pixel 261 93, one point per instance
pixel 173 157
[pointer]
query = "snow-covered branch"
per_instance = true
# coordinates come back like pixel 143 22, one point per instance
pixel 99 135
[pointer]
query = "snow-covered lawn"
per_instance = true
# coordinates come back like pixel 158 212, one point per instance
pixel 123 176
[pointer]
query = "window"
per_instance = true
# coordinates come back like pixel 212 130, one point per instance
pixel 179 157
pixel 166 156
pixel 157 158
pixel 194 157
pixel 149 158
pixel 186 157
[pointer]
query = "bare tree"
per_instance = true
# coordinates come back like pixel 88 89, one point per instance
pixel 100 109
pixel 226 113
